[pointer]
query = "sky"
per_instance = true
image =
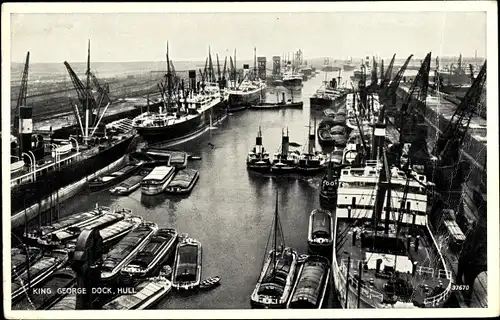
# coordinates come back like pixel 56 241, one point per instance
pixel 124 37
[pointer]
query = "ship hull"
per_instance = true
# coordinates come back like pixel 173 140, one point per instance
pixel 28 194
pixel 292 83
pixel 183 129
pixel 241 101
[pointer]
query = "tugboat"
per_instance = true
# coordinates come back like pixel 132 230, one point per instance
pixel 187 265
pixel 320 235
pixel 329 185
pixel 186 113
pixel 258 158
pixel 285 161
pixel 153 255
pixel 80 152
pixel 310 288
pixel 386 253
pixel 147 293
pixel 126 250
pixel 275 282
pixel 311 162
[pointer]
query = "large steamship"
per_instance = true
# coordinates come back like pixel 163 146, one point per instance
pixel 247 92
pixel 385 254
pixel 44 165
pixel 185 112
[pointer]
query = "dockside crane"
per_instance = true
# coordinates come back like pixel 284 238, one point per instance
pixel 412 115
pixel 85 96
pixel 449 143
pixel 390 91
pixel 388 73
pixel 21 101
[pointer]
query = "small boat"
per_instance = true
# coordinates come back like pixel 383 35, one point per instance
pixel 210 283
pixel 20 256
pixel 157 180
pixel 166 271
pixel 144 295
pixel 324 137
pixel 258 157
pixel 178 159
pixel 154 254
pixel 187 265
pixel 329 185
pixel 275 282
pixel 285 161
pixel 59 238
pixel 192 157
pixel 126 249
pixel 48 292
pixel 183 181
pixel 130 184
pixel 115 177
pixel 311 162
pixel 310 288
pixel 37 273
pixel 76 220
pixel 116 231
pixel 320 234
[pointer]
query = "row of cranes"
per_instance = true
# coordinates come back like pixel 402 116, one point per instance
pixel 442 163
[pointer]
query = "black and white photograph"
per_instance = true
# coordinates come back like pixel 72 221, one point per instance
pixel 233 159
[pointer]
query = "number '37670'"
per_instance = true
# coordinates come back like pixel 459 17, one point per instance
pixel 460 287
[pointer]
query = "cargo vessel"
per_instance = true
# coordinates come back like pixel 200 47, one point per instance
pixel 43 165
pixel 386 256
pixel 186 112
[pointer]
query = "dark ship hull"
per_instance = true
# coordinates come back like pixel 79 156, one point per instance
pixel 240 101
pixel 28 194
pixel 184 129
pixel 293 83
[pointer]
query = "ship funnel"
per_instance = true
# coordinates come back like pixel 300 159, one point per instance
pixel 192 80
pixel 25 128
pixel 246 70
pixel 285 144
pixel 258 142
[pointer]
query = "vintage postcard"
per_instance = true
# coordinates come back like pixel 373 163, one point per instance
pixel 238 160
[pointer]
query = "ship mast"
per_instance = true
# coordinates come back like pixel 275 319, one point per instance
pixel 169 81
pixel 254 62
pixel 87 90
pixel 275 234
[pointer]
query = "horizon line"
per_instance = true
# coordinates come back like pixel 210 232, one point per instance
pixel 249 59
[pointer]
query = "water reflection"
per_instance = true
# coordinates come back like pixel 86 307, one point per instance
pixel 230 210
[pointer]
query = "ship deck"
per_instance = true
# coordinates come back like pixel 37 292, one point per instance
pixel 428 280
